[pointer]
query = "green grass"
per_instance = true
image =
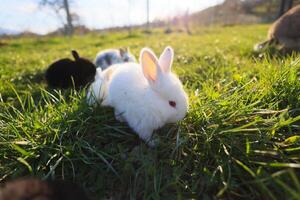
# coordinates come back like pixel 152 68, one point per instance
pixel 240 139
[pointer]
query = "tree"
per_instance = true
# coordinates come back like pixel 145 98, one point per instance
pixel 290 4
pixel 58 6
pixel 129 23
pixel 285 6
pixel 148 20
pixel 186 22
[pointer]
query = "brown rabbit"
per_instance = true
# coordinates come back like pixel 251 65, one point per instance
pixel 35 189
pixel 285 31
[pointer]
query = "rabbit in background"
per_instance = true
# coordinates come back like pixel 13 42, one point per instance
pixel 285 31
pixel 66 73
pixel 108 57
pixel 35 189
pixel 146 95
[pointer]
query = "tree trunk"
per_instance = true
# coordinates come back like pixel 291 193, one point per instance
pixel 187 22
pixel 290 4
pixel 69 18
pixel 148 20
pixel 129 23
pixel 285 6
pixel 282 8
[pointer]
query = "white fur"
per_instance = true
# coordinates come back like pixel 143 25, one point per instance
pixel 95 94
pixel 97 91
pixel 114 56
pixel 140 95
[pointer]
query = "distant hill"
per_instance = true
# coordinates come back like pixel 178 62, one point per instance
pixel 239 12
pixel 4 31
pixel 228 13
pixel 78 30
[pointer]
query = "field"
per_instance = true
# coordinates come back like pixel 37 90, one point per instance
pixel 240 139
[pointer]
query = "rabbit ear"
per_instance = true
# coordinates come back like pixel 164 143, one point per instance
pixel 75 54
pixel 149 64
pixel 166 59
pixel 122 51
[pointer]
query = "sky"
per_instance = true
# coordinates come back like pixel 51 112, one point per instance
pixel 27 15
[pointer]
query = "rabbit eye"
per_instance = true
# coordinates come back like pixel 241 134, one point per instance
pixel 172 104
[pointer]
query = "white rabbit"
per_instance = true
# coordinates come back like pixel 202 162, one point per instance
pixel 146 95
pixel 98 89
pixel 108 57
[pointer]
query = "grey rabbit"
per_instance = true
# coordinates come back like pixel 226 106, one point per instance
pixel 108 57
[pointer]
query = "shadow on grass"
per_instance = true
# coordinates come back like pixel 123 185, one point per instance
pixel 3 44
pixel 26 84
pixel 273 52
pixel 130 35
pixel 64 138
pixel 36 77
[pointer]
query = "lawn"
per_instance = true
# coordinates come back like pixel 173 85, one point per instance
pixel 240 139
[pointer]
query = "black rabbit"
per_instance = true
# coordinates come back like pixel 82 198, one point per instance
pixel 66 73
pixel 34 189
